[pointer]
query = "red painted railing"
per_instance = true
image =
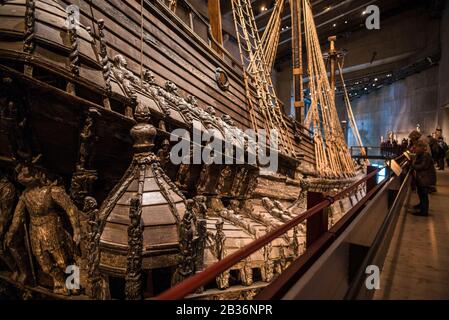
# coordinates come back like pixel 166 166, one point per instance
pixel 202 278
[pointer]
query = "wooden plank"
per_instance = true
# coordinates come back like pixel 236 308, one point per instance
pixel 215 23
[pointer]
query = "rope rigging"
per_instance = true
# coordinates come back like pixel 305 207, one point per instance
pixel 258 73
pixel 333 159
pixel 352 122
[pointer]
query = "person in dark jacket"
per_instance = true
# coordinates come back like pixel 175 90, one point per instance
pixel 433 146
pixel 425 177
pixel 441 154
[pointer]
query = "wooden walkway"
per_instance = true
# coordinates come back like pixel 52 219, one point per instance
pixel 417 263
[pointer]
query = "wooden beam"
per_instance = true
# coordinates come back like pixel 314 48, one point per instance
pixel 215 23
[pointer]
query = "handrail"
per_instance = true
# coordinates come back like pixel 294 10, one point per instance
pixel 202 278
pixel 282 284
pixel 356 284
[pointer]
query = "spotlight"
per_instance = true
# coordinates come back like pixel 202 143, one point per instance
pixel 334 25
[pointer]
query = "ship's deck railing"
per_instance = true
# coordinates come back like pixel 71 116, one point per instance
pixel 320 241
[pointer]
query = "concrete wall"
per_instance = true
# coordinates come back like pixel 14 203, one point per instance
pixel 419 99
pixel 443 79
pixel 398 107
pixel 283 85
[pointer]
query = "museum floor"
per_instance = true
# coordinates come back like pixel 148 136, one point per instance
pixel 417 263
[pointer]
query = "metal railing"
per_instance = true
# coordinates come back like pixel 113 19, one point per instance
pixel 200 279
pixel 381 152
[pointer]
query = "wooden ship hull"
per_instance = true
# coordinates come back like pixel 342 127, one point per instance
pixel 71 96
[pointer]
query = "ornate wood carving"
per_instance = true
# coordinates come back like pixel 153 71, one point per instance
pixel 104 60
pixel 268 268
pixel 133 278
pixel 28 42
pixel 186 266
pixel 220 253
pixel 84 177
pixel 222 79
pixel 74 53
pixel 239 178
pixel 94 287
pixel 224 174
pixel 46 239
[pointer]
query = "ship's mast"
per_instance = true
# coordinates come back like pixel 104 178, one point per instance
pixel 215 24
pixel 298 94
pixel 333 55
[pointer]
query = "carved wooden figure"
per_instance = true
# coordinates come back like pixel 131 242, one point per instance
pixel 48 239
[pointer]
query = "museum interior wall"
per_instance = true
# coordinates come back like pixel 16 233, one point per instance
pixel 443 82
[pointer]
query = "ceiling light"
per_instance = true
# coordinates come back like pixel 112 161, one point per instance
pixel 363 13
pixel 334 25
pixel 346 21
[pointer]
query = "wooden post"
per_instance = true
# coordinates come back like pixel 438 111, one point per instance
pixel 317 225
pixel 215 24
pixel 371 183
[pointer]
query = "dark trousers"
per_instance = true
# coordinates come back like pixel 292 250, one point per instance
pixel 423 194
pixel 440 162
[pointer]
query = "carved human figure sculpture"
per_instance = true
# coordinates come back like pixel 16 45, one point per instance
pixel 41 201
